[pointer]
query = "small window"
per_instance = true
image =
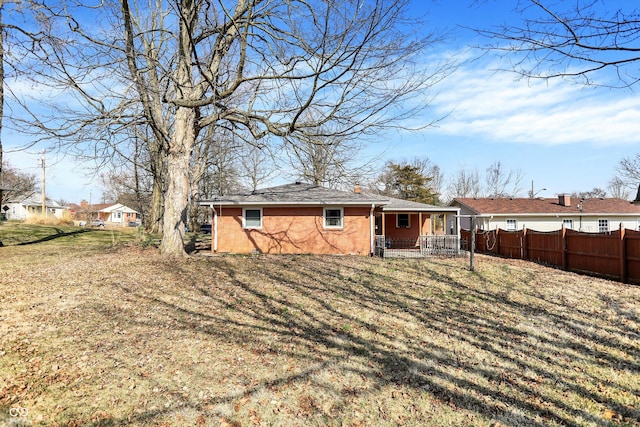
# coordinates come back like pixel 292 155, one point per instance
pixel 333 218
pixel 603 225
pixel 567 223
pixel 402 221
pixel 512 225
pixel 252 218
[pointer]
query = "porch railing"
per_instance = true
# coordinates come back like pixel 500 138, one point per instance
pixel 418 247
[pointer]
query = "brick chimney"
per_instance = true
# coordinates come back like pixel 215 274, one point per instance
pixel 564 200
pixel 357 189
pixel 84 204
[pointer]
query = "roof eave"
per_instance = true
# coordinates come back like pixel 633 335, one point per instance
pixel 292 203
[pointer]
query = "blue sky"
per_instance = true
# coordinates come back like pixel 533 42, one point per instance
pixel 563 136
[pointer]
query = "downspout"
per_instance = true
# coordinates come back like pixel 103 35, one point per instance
pixel 372 225
pixel 215 228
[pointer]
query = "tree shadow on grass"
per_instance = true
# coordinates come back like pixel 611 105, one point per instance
pixel 466 347
pixel 58 235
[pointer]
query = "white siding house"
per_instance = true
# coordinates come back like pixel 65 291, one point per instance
pixel 549 214
pixel 118 214
pixel 30 205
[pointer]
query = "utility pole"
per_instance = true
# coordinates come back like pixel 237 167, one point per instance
pixel 44 202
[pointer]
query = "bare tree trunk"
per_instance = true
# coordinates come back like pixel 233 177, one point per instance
pixel 175 203
pixel 154 221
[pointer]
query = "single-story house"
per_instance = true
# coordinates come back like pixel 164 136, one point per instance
pixel 110 213
pixel 549 214
pixel 29 205
pixel 119 214
pixel 306 218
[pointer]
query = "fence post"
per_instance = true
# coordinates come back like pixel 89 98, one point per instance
pixel 472 243
pixel 497 245
pixel 524 253
pixel 564 247
pixel 623 255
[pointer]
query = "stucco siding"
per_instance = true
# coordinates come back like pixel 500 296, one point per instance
pixel 291 230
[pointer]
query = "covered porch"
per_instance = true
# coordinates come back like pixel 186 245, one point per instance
pixel 406 229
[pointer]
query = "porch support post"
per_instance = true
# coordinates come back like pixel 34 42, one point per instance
pixel 458 230
pixel 420 223
pixel 384 225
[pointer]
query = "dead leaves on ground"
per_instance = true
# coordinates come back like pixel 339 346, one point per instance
pixel 128 337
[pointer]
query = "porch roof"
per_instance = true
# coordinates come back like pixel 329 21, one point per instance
pixel 399 205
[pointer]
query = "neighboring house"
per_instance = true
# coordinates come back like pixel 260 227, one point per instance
pixel 549 214
pixel 29 205
pixel 305 218
pixel 119 214
pixel 115 214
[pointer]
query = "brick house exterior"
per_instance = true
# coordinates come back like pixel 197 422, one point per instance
pixel 303 218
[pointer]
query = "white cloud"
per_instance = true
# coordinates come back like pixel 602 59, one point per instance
pixel 498 107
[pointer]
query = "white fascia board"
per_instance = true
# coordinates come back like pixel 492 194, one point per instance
pixel 557 215
pixel 434 209
pixel 367 203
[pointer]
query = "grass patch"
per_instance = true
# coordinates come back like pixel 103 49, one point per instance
pixel 104 335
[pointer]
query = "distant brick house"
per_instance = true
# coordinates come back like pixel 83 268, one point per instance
pixel 305 218
pixel 549 214
pixel 110 213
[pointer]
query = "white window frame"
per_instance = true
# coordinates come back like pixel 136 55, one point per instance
pixel 244 218
pixel 602 221
pixel 324 218
pixel 514 223
pixel 567 223
pixel 398 220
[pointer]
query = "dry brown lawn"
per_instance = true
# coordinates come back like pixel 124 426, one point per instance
pixel 99 331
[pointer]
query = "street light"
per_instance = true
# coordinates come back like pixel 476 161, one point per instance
pixel 532 193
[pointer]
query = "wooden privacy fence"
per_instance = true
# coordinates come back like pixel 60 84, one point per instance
pixel 614 255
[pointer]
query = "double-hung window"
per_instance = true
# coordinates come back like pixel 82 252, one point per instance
pixel 512 225
pixel 567 223
pixel 252 218
pixel 333 217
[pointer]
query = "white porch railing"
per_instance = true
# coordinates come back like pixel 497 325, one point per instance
pixel 416 248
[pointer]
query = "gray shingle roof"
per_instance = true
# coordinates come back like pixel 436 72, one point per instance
pixel 298 194
pixel 309 194
pixel 400 205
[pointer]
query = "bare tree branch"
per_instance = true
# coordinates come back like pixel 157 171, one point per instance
pixel 570 40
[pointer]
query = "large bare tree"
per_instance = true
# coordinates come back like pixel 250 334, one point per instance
pixel 254 67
